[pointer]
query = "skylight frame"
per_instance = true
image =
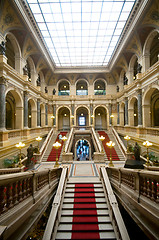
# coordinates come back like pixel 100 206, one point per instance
pixel 90 44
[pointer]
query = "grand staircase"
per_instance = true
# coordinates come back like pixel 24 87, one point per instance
pixel 84 212
pixel 117 154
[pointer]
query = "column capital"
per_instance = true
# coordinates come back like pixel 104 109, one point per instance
pixel 3 80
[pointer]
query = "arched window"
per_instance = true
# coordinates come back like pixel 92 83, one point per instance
pixel 156 113
pixel 81 88
pixel 99 88
pixel 63 88
pixel 154 50
pixel 10 53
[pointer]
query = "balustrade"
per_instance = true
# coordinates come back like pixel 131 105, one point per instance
pixel 16 188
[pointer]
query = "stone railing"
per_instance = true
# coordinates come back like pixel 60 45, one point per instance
pixel 115 215
pixel 138 192
pixel 15 188
pixel 11 170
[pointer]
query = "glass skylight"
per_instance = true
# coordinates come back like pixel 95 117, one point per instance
pixel 81 32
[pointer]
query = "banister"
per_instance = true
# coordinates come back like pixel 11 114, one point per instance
pixel 96 139
pixel 121 144
pixel 50 227
pixel 117 221
pixel 68 141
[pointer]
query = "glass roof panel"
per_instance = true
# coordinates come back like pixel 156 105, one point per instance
pixel 81 32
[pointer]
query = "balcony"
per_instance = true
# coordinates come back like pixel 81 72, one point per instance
pixel 81 92
pixel 99 92
pixel 64 93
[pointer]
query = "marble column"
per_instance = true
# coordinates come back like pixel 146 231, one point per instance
pixel 126 111
pixel 118 117
pixel 38 113
pixel 91 113
pixel 2 103
pixel 72 110
pixel 54 114
pixel 140 108
pixel 25 109
pixel 110 113
pixel 46 114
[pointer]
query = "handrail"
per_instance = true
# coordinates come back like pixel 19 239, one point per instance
pixel 16 187
pixel 68 141
pixel 121 144
pixel 50 227
pixel 96 139
pixel 117 221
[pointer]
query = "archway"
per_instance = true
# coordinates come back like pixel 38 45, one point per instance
pixel 133 111
pixel 154 50
pixel 63 88
pixel 32 113
pixel 81 88
pixel 63 118
pixel 122 114
pixel 99 87
pixel 82 117
pixel 82 150
pixel 150 107
pixel 100 118
pixel 14 110
pixel 10 54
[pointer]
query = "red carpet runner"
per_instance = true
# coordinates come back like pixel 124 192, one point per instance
pixel 107 150
pixel 85 221
pixel 52 156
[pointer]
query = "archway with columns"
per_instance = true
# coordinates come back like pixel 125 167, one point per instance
pixel 14 110
pixel 101 118
pixel 32 113
pixel 63 116
pixel 133 111
pixel 82 151
pixel 82 116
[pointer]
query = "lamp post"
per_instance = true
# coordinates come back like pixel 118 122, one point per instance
pixel 112 116
pixel 52 117
pixel 56 145
pixel 101 138
pixel 38 139
pixel 147 144
pixel 110 144
pixel 64 138
pixel 20 145
pixel 127 138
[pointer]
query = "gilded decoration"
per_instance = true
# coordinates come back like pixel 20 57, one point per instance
pixel 134 46
pixel 9 18
pixel 152 17
pixel 29 48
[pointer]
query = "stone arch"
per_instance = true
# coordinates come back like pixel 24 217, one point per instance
pixel 63 90
pixel 32 113
pixel 17 103
pixel 86 113
pixel 16 49
pixel 101 121
pixel 133 111
pixel 146 48
pixel 147 106
pixel 102 86
pixel 63 114
pixel 81 87
pixel 75 149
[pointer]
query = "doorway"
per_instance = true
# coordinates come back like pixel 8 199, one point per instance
pixel 82 150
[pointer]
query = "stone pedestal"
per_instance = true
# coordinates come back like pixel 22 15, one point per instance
pixel 3 138
pixel 132 163
pixel 67 158
pixel 98 157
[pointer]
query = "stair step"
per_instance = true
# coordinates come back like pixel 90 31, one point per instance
pixel 96 194
pixel 84 206
pixel 84 200
pixel 103 212
pixel 86 219
pixel 103 236
pixel 85 227
pixel 84 190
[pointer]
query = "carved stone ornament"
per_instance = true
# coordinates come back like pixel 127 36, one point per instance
pixel 3 80
pixel 2 48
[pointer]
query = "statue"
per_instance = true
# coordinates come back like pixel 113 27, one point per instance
pixel 139 67
pixel 117 88
pixel 54 91
pixel 2 48
pixel 30 152
pixel 25 70
pixel 125 80
pixel 38 82
pixel 137 152
pixel 46 91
